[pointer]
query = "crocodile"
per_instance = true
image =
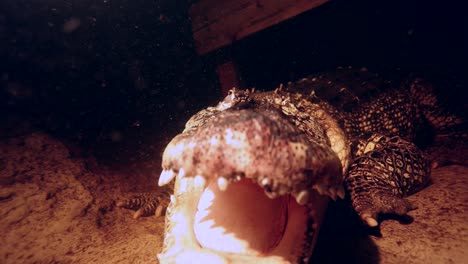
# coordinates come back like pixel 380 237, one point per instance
pixel 249 180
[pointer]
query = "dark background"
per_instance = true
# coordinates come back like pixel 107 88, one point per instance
pixel 120 78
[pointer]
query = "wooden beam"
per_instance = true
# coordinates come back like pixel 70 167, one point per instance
pixel 229 76
pixel 217 23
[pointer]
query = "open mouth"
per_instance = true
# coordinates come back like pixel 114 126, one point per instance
pixel 250 187
pixel 236 222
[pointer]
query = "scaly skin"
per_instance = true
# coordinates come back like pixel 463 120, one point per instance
pixel 147 204
pixel 288 143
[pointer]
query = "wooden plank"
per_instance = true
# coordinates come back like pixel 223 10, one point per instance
pixel 216 23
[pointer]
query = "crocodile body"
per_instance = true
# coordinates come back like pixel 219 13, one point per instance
pixel 274 157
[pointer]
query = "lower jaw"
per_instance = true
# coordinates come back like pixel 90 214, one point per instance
pixel 182 244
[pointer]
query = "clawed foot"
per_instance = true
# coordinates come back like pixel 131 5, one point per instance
pixel 370 207
pixel 146 204
pixel 386 170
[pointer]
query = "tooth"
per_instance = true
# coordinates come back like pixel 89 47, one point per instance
pixel 332 193
pixel 199 181
pixel 265 182
pixel 222 183
pixel 165 177
pixel 302 197
pixel 172 198
pixel 341 192
pixel 181 173
pixel 320 189
pixel 183 185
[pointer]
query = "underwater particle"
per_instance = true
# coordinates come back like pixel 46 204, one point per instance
pixel 116 136
pixel 71 25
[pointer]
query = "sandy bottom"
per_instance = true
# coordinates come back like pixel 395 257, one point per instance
pixel 58 208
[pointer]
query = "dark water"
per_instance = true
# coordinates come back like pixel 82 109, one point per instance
pixel 120 78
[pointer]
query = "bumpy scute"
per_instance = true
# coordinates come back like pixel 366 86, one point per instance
pixel 261 145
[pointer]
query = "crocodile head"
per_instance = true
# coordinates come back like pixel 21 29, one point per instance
pixel 251 186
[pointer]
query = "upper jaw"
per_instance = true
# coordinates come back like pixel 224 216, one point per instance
pixel 261 145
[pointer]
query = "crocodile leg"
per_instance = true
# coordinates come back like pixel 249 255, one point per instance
pixel 384 171
pixel 148 204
